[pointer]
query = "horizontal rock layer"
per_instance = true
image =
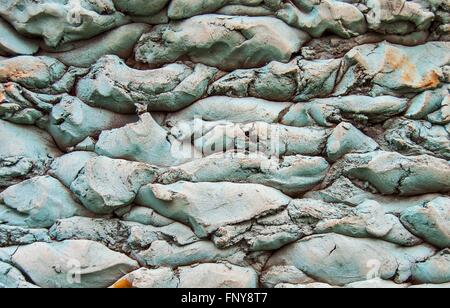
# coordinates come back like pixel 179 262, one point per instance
pixel 224 144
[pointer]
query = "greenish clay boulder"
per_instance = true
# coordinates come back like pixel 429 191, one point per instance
pixel 105 184
pixel 430 221
pixel 335 47
pixel 342 190
pixel 319 17
pixel 246 10
pixel 120 235
pixel 120 42
pixel 367 220
pixel 114 86
pixel 435 270
pixel 388 69
pixel 339 260
pixel 146 216
pixel 252 42
pixel 411 137
pixel 330 111
pixel 67 167
pixel 144 278
pixel 140 7
pixel 145 141
pixel 298 80
pixel 218 276
pixel 209 206
pixel 392 173
pixel 21 106
pixel 25 152
pixel 165 254
pixel 397 16
pixel 209 275
pixel 268 139
pixel 347 139
pixel 12 278
pixel 292 175
pixel 441 116
pixel 277 275
pixel 79 264
pixel 426 103
pixel 62 21
pixel 38 203
pixel 235 110
pixel 13 236
pixel 39 74
pixel 182 9
pixel 12 43
pixel 72 121
pixel 265 233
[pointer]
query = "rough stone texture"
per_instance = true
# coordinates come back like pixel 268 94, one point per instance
pixel 224 143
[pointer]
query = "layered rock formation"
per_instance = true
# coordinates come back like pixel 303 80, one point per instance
pixel 226 143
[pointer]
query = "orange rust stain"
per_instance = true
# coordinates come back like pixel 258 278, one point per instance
pixel 431 80
pixel 395 60
pixel 2 96
pixel 122 284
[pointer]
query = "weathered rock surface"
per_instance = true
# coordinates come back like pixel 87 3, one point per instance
pixel 318 17
pixel 328 111
pixel 435 270
pixel 390 69
pixel 236 110
pixel 72 121
pixel 38 203
pixel 11 278
pixel 120 42
pixel 430 222
pixel 209 206
pixel 292 175
pixel 14 44
pixel 112 85
pixel 104 185
pixel 62 21
pixel 392 173
pixel 13 236
pixel 224 143
pixel 237 42
pixel 145 141
pixel 30 154
pixel 340 260
pixel 70 264
pixel 208 275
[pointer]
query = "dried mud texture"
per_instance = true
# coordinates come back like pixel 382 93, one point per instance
pixel 225 143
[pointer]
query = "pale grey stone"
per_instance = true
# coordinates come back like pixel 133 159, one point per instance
pixel 12 236
pixel 38 203
pixel 72 121
pixel 12 278
pixel 392 173
pixel 105 184
pixel 67 167
pixel 435 270
pixel 340 260
pixel 293 174
pixel 29 155
pixel 14 44
pixel 430 221
pixel 209 206
pixel 245 42
pixel 64 21
pixel 71 264
pixel 112 85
